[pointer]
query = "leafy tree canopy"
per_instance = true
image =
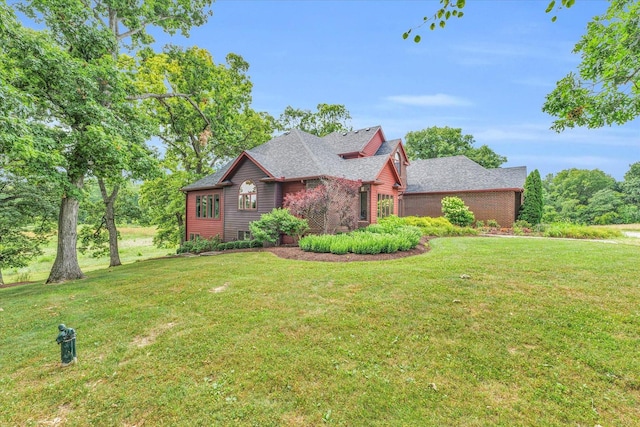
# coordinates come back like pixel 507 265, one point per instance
pixel 437 141
pixel 215 121
pixel 606 88
pixel 329 118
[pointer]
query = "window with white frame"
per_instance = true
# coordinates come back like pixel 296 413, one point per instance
pixel 248 196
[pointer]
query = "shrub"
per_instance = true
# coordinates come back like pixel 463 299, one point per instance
pixel 493 223
pixel 575 231
pixel 533 206
pixel 199 245
pixel 364 241
pixel 439 226
pixel 279 221
pixel 457 212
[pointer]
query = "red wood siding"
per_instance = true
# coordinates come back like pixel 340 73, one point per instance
pixel 238 220
pixel 374 144
pixel 204 227
pixel 499 205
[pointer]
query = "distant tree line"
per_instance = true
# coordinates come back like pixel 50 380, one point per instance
pixel 592 197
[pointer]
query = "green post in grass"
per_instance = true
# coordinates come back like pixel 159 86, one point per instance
pixel 67 340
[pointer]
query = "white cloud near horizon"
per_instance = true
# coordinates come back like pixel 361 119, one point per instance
pixel 437 100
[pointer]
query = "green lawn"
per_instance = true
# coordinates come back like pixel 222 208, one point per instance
pixel 136 244
pixel 544 332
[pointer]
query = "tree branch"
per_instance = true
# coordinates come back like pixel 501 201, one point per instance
pixel 141 27
pixel 171 95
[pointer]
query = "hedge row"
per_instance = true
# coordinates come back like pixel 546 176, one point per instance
pixel 366 241
pixel 199 245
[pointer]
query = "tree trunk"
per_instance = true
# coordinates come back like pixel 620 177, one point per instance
pixel 180 227
pixel 110 219
pixel 66 266
pixel 1 279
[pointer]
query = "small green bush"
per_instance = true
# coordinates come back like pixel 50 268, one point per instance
pixel 493 223
pixel 279 221
pixel 457 212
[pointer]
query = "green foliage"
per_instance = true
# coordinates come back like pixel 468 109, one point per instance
pixel 190 127
pixel 439 226
pixel 27 214
pixel 371 240
pixel 533 206
pixel 569 193
pixel 328 119
pixel 199 245
pixel 162 199
pixel 605 89
pixel 275 223
pixel 436 142
pixel 457 212
pixel 575 231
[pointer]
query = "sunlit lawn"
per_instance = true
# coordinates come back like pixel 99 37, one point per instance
pixel 136 245
pixel 543 332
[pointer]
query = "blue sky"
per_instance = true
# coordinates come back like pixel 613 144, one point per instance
pixel 487 73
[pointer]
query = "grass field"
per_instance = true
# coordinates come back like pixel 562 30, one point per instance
pixel 136 245
pixel 543 332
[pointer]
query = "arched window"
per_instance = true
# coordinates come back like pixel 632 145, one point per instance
pixel 398 162
pixel 248 196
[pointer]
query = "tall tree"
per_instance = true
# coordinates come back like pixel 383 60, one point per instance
pixel 200 133
pixel 631 185
pixel 436 142
pixel 329 118
pixel 97 120
pixel 533 206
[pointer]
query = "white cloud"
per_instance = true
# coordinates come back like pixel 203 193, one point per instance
pixel 437 100
pixel 606 137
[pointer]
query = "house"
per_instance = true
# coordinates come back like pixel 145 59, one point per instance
pixel 257 181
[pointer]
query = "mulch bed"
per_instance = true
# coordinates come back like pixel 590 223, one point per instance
pixel 294 252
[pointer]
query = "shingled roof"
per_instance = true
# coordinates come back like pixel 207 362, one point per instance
pixel 350 142
pixel 296 154
pixel 459 173
pixel 299 155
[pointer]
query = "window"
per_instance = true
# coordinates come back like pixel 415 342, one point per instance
pixel 193 236
pixel 398 163
pixel 385 205
pixel 244 235
pixel 248 196
pixel 216 206
pixel 208 206
pixel 364 205
pixel 199 213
